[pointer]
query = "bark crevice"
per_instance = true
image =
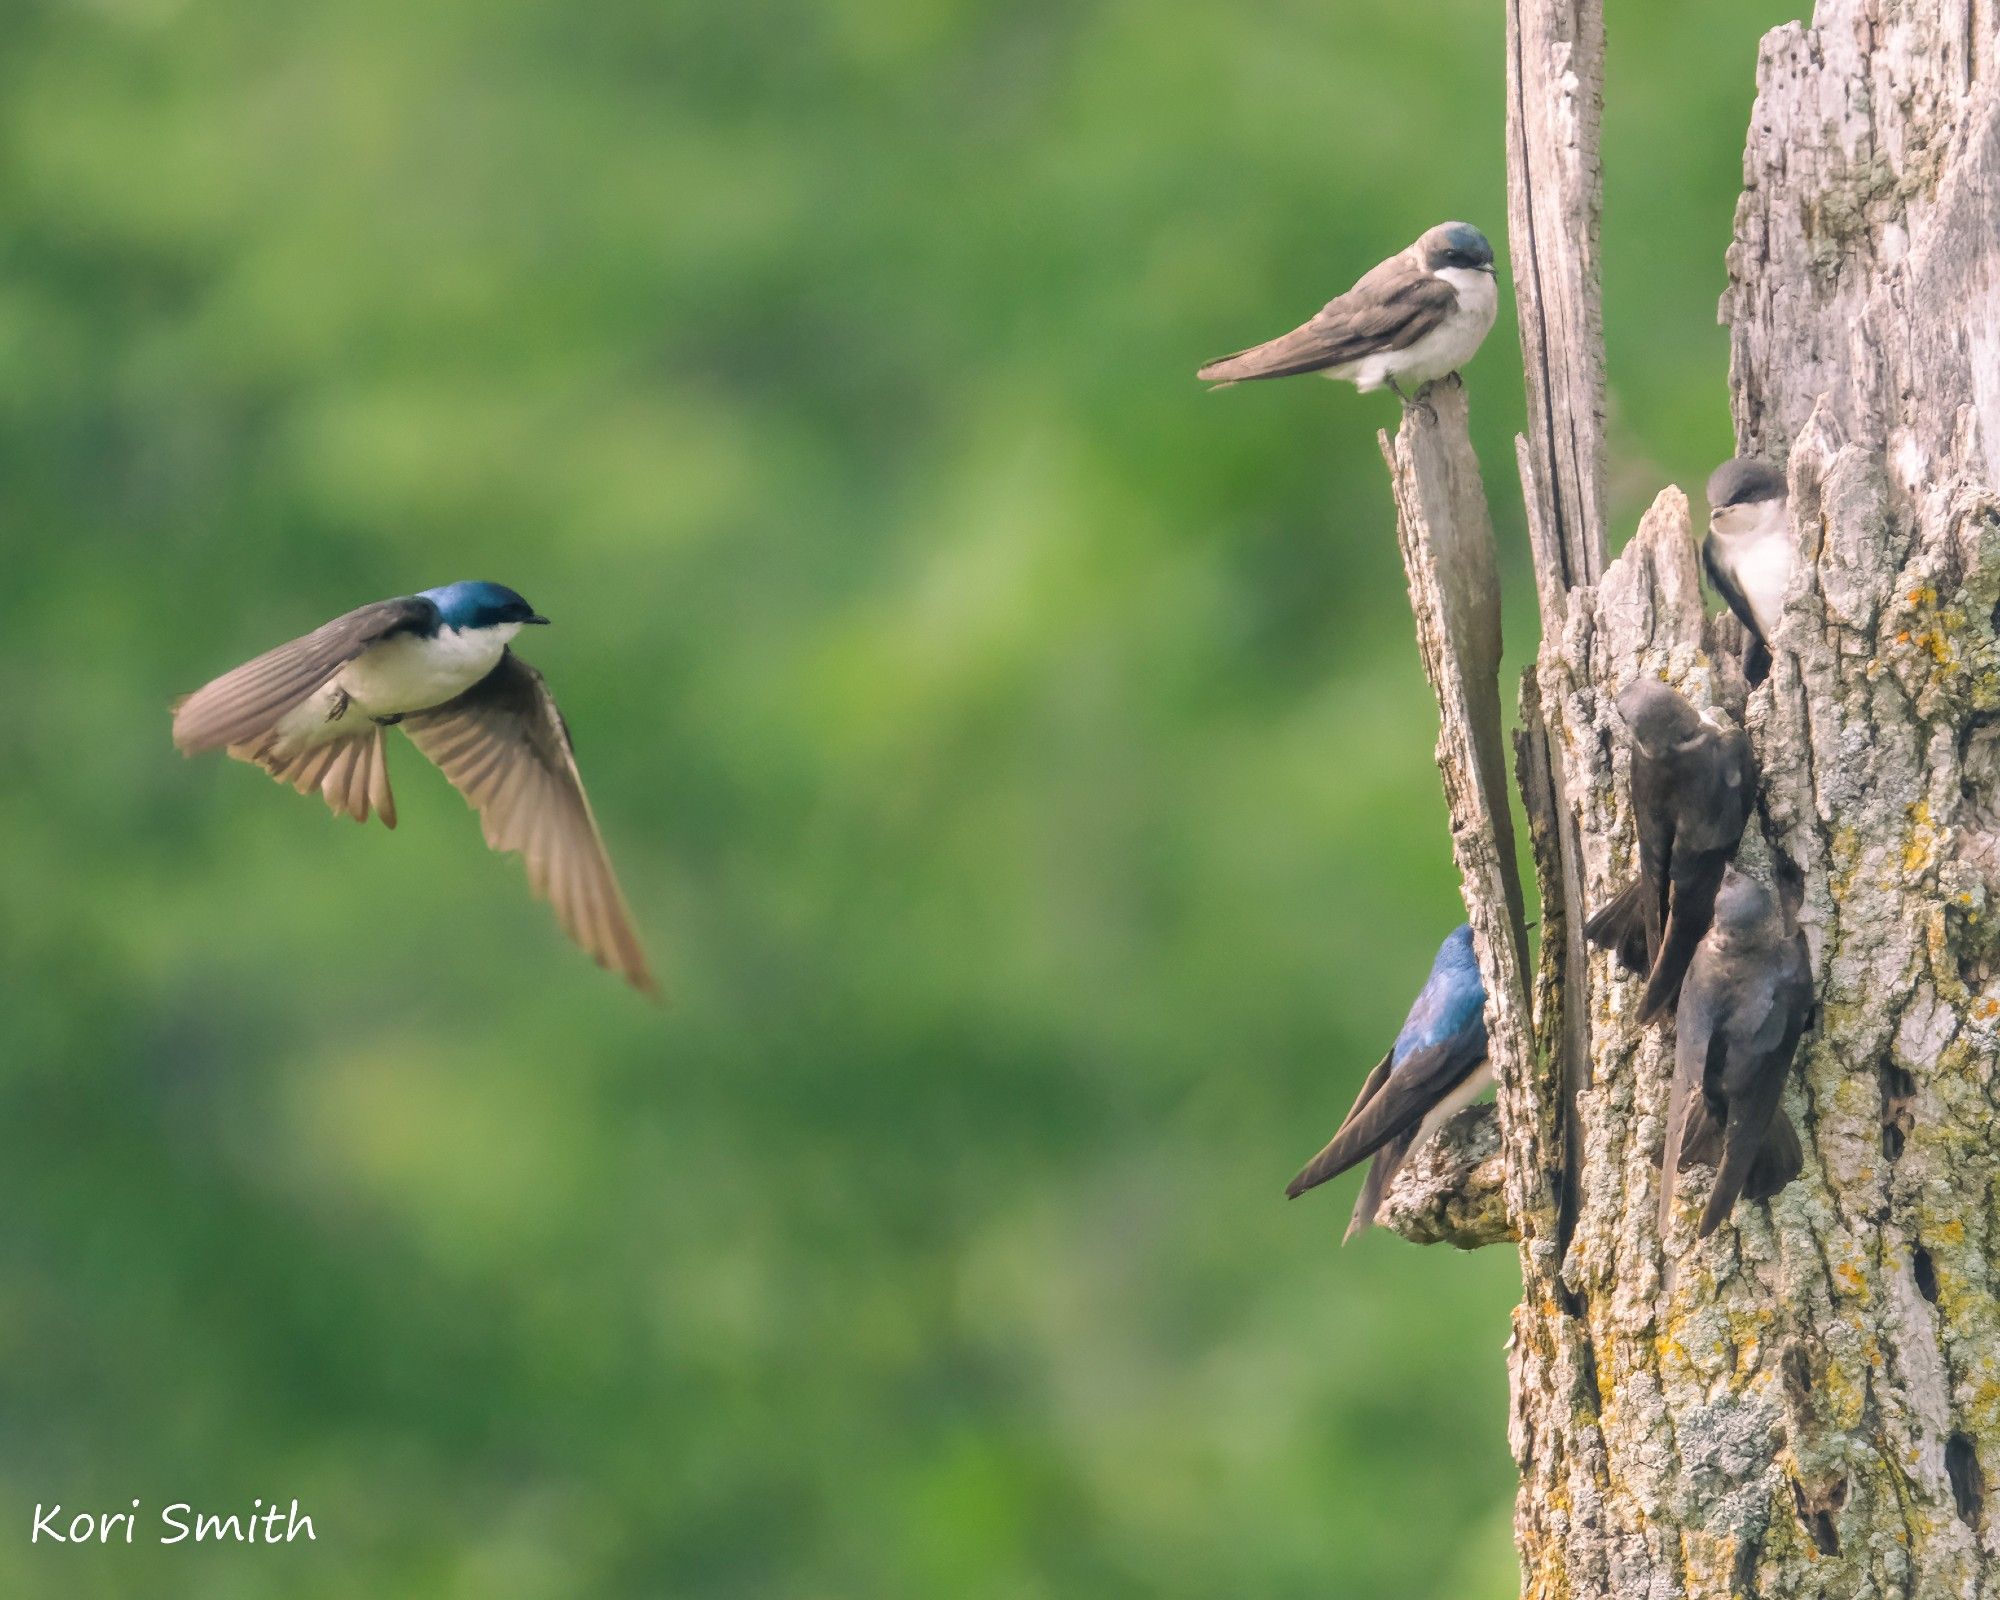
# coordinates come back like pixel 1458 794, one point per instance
pixel 1810 1403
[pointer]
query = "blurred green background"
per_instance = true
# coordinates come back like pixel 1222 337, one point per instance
pixel 1017 756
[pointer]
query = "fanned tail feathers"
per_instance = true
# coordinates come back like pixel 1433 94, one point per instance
pixel 1620 927
pixel 351 775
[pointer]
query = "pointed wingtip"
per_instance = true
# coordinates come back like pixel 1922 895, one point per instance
pixel 1653 1005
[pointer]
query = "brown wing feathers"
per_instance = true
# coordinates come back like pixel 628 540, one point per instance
pixel 504 747
pixel 502 744
pixel 240 706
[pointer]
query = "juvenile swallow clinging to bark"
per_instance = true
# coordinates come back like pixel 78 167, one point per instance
pixel 1747 1001
pixel 436 664
pixel 1748 554
pixel 1694 782
pixel 1417 316
pixel 1436 1066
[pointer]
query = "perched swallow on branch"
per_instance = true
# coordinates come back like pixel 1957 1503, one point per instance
pixel 1748 553
pixel 1747 1001
pixel 1436 1066
pixel 1417 316
pixel 1694 782
pixel 436 664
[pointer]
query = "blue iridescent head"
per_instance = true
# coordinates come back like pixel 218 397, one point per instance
pixel 1456 952
pixel 480 605
pixel 1452 1002
pixel 1456 244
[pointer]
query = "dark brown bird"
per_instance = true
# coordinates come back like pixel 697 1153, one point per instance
pixel 1694 782
pixel 1747 1001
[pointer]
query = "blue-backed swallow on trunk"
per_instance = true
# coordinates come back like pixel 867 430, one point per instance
pixel 1437 1065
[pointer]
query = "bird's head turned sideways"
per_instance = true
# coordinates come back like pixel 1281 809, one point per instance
pixel 1455 244
pixel 481 605
pixel 1744 482
pixel 1660 720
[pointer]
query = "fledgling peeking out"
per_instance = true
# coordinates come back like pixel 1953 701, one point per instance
pixel 1748 554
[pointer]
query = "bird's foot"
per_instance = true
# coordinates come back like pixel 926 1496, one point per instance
pixel 1454 380
pixel 339 706
pixel 1420 405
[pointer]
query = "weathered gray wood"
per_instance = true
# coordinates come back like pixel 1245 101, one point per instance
pixel 1813 1407
pixel 1446 534
pixel 1452 1189
pixel 1555 76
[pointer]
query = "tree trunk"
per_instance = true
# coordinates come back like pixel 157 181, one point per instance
pixel 1813 1406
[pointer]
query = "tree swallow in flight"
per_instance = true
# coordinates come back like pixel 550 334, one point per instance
pixel 437 665
pixel 1748 553
pixel 1694 782
pixel 1747 1001
pixel 1436 1066
pixel 1417 316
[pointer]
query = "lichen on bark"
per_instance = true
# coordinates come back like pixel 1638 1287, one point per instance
pixel 1811 1406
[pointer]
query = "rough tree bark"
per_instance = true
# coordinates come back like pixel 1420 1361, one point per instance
pixel 1813 1408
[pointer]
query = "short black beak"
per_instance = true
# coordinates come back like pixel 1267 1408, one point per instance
pixel 537 621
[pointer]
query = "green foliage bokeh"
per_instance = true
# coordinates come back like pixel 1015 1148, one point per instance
pixel 1017 757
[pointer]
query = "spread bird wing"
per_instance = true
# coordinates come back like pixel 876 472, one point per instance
pixel 1392 1101
pixel 240 707
pixel 504 746
pixel 1390 309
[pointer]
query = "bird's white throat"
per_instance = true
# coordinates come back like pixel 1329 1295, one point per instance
pixel 1446 348
pixel 1753 543
pixel 1478 292
pixel 412 673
